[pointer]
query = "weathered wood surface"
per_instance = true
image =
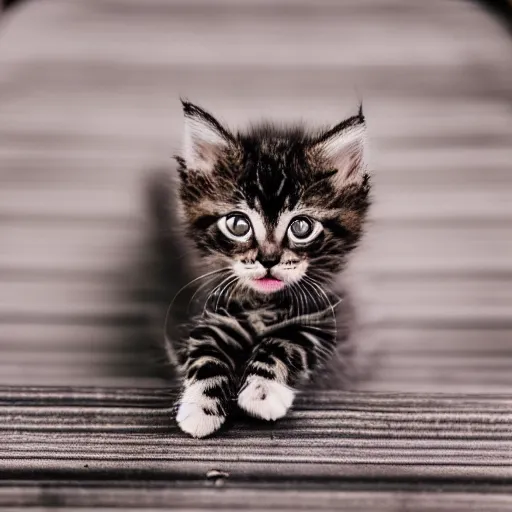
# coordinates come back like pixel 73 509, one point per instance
pixel 89 105
pixel 94 447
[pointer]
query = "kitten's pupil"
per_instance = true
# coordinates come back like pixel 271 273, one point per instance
pixel 301 228
pixel 238 225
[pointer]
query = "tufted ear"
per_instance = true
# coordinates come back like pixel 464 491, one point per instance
pixel 204 138
pixel 343 148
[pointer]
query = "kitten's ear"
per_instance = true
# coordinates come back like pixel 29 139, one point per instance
pixel 204 138
pixel 343 148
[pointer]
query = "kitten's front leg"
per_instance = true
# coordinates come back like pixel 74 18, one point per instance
pixel 215 351
pixel 277 365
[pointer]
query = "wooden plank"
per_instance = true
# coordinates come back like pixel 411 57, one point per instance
pixel 333 435
pixel 102 496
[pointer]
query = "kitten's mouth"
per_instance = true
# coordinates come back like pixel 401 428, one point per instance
pixel 268 284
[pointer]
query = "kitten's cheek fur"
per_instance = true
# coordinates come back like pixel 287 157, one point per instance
pixel 265 399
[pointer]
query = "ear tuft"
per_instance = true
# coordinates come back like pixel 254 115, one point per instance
pixel 204 138
pixel 343 148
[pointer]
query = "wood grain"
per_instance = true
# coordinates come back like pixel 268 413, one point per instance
pixel 329 434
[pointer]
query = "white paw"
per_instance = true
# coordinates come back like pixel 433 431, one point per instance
pixel 191 415
pixel 194 421
pixel 265 399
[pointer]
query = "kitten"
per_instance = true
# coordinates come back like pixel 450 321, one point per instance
pixel 273 214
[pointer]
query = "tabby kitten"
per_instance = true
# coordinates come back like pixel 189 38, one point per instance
pixel 273 214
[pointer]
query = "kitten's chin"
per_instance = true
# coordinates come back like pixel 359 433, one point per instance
pixel 267 285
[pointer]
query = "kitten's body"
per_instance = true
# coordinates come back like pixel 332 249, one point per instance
pixel 273 214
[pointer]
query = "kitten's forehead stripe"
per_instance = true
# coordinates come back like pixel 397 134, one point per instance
pixel 268 179
pixel 281 186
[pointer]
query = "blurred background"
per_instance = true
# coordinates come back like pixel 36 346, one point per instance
pixel 89 107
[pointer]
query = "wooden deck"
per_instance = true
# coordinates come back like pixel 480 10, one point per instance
pixel 89 107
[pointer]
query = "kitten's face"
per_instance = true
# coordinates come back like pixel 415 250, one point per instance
pixel 268 253
pixel 274 207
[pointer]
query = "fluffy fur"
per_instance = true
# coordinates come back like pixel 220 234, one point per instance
pixel 273 213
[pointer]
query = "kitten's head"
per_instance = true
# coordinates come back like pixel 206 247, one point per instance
pixel 274 206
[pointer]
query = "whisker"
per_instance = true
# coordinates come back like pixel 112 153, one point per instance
pixel 224 290
pixel 294 298
pixel 230 296
pixel 316 286
pixel 212 293
pixel 317 283
pixel 313 283
pixel 167 314
pixel 306 289
pixel 197 279
pixel 228 280
pixel 301 305
pixel 201 287
pixel 303 294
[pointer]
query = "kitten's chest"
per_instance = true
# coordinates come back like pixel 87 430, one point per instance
pixel 256 317
pixel 260 320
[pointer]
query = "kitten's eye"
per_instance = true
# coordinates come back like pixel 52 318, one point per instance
pixel 236 226
pixel 303 230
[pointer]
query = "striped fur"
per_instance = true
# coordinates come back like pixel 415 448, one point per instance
pixel 267 313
